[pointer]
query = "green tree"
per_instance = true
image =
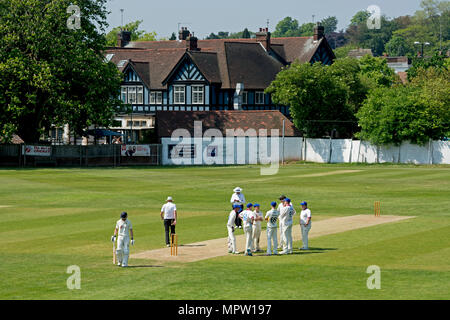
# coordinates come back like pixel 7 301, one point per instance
pixel 360 18
pixel 416 112
pixel 315 97
pixel 377 72
pixel 52 75
pixel 136 34
pixel 398 46
pixel 246 34
pixel 418 64
pixel 173 36
pixel 288 27
pixel 306 30
pixel 330 24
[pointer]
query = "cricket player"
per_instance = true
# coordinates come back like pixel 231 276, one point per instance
pixel 281 242
pixel 123 231
pixel 305 224
pixel 230 227
pixel 272 218
pixel 169 215
pixel 257 228
pixel 286 215
pixel 238 198
pixel 248 217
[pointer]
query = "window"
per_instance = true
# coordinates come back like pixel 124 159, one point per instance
pixel 179 95
pixel 140 95
pixel 132 94
pixel 259 97
pixel 109 56
pixel 245 97
pixel 123 95
pixel 197 94
pixel 143 123
pixel 156 97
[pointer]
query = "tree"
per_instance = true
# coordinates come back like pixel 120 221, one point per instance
pixel 212 36
pixel 360 17
pixel 288 27
pixel 306 30
pixel 330 24
pixel 136 34
pixel 436 61
pixel 173 36
pixel 415 112
pixel 246 34
pixel 398 46
pixel 377 71
pixel 317 99
pixel 52 75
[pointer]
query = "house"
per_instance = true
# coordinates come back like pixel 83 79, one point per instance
pixel 359 53
pixel 398 64
pixel 202 75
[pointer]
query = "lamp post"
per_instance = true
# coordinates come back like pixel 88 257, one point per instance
pixel 423 44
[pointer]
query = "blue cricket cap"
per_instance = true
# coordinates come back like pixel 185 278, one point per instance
pixel 123 215
pixel 249 205
pixel 256 205
pixel 287 200
pixel 236 206
pixel 273 204
pixel 304 203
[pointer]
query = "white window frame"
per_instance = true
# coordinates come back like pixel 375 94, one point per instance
pixel 124 94
pixel 156 97
pixel 259 94
pixel 179 93
pixel 198 94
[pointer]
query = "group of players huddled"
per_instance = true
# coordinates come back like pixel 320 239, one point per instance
pixel 252 217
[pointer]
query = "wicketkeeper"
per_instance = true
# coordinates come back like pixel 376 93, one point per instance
pixel 123 231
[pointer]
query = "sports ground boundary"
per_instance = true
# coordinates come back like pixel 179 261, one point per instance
pixel 218 247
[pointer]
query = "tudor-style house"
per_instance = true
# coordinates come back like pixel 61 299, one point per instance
pixel 202 75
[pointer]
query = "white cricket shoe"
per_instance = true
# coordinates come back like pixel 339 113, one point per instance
pixel 283 252
pixel 236 252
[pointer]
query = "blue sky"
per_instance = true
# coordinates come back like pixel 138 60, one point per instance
pixel 206 16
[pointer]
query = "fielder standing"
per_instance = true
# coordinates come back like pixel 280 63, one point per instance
pixel 230 227
pixel 248 217
pixel 271 218
pixel 257 228
pixel 123 231
pixel 305 224
pixel 280 206
pixel 169 215
pixel 238 198
pixel 286 215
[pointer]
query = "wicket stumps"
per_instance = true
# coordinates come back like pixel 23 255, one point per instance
pixel 377 208
pixel 174 245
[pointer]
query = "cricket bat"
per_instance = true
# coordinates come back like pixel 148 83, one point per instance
pixel 114 252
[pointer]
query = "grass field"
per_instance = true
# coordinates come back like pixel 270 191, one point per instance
pixel 54 218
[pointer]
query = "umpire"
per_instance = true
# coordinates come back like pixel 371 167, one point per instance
pixel 169 215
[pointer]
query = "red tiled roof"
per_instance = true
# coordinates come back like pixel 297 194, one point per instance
pixel 168 121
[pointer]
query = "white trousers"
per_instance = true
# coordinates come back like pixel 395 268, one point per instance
pixel 231 240
pixel 256 235
pixel 305 231
pixel 248 238
pixel 287 237
pixel 281 242
pixel 272 238
pixel 123 250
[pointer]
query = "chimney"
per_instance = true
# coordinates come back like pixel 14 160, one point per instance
pixel 319 32
pixel 263 36
pixel 123 38
pixel 183 34
pixel 191 43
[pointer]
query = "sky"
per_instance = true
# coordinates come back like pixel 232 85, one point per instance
pixel 205 16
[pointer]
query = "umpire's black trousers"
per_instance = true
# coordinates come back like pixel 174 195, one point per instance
pixel 167 225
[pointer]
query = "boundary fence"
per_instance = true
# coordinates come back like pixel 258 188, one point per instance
pixel 80 156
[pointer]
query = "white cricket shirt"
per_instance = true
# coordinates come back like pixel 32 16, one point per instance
pixel 169 210
pixel 304 215
pixel 123 227
pixel 272 215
